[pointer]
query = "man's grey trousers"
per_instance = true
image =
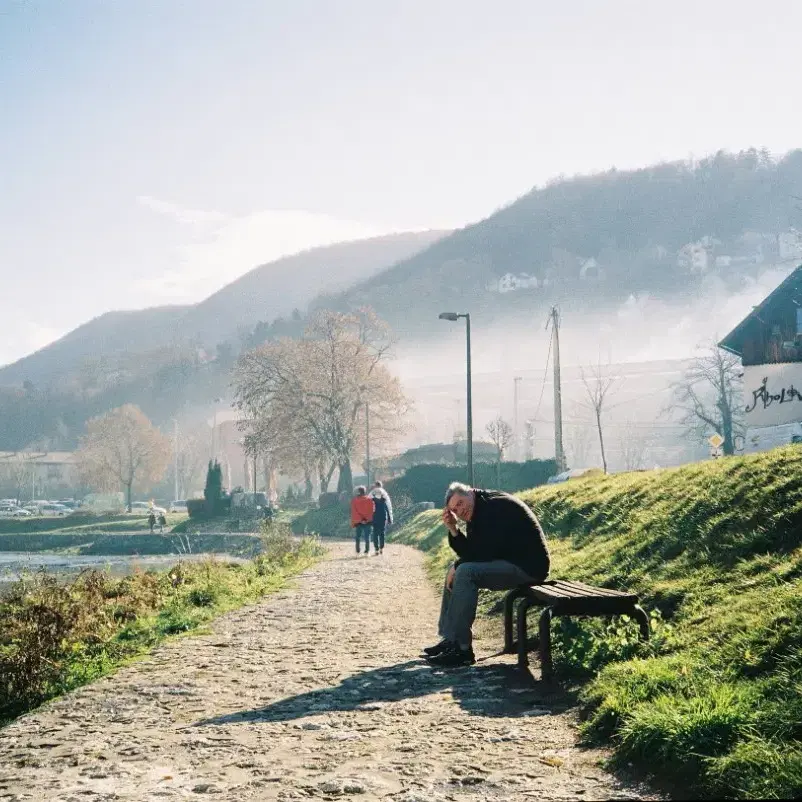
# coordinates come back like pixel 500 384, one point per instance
pixel 458 609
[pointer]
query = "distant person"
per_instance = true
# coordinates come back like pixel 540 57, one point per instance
pixel 382 515
pixel 162 523
pixel 503 547
pixel 151 520
pixel 362 517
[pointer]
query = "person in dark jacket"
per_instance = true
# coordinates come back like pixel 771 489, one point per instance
pixel 502 547
pixel 382 515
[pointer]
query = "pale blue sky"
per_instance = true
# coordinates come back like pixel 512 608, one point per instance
pixel 152 150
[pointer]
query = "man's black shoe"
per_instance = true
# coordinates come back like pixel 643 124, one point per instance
pixel 453 657
pixel 433 651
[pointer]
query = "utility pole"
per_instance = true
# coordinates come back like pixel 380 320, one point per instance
pixel 175 459
pixel 516 433
pixel 559 453
pixel 367 443
pixel 470 403
pixel 254 476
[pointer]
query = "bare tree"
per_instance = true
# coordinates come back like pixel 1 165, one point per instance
pixel 190 460
pixel 634 446
pixel 708 397
pixel 579 444
pixel 304 400
pixel 597 386
pixel 123 449
pixel 501 435
pixel 18 473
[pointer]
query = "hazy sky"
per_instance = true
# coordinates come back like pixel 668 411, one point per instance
pixel 153 150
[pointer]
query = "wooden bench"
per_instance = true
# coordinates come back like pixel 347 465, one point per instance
pixel 560 597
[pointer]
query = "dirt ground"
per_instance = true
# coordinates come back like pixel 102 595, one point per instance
pixel 317 692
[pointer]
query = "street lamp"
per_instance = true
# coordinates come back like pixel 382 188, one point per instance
pixel 453 316
pixel 213 455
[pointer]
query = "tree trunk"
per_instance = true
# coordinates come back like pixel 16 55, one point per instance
pixel 498 471
pixel 325 475
pixel 601 441
pixel 128 495
pixel 345 483
pixel 307 486
pixel 726 429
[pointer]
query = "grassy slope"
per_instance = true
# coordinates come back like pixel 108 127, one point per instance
pixel 716 699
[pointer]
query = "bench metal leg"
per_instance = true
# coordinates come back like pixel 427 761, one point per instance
pixel 509 608
pixel 544 628
pixel 643 621
pixel 523 609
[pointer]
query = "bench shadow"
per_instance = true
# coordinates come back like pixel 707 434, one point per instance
pixel 492 690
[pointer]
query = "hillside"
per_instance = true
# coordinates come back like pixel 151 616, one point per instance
pixel 111 333
pixel 276 289
pixel 714 550
pixel 264 293
pixel 591 242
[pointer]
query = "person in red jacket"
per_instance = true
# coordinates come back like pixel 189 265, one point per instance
pixel 362 508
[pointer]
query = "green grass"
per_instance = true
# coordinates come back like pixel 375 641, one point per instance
pixel 334 521
pixel 56 636
pixel 80 523
pixel 715 552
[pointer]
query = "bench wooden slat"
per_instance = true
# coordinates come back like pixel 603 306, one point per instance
pixel 579 588
pixel 561 592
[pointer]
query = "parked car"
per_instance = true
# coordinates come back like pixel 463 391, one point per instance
pixel 140 506
pixel 14 512
pixel 573 473
pixel 178 506
pixel 54 510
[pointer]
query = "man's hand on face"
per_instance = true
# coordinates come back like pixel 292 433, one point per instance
pixel 450 578
pixel 450 521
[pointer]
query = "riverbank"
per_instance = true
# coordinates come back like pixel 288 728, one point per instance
pixel 109 543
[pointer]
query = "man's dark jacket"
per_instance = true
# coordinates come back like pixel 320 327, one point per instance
pixel 503 528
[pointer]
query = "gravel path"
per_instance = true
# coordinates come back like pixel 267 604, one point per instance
pixel 315 693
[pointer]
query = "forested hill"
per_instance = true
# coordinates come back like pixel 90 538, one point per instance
pixel 592 241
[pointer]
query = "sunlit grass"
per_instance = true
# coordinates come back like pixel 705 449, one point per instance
pixel 715 549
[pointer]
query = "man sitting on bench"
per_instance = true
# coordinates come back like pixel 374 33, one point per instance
pixel 502 547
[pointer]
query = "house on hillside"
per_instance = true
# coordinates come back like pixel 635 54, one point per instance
pixel 510 282
pixel 789 245
pixel 591 270
pixel 769 342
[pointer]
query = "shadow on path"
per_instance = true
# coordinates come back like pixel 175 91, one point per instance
pixel 496 690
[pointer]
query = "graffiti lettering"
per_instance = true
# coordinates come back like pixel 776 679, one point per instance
pixel 764 397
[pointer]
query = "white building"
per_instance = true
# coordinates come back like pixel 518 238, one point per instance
pixel 510 282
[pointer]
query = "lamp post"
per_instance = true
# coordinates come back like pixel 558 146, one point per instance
pixel 453 316
pixel 367 443
pixel 213 453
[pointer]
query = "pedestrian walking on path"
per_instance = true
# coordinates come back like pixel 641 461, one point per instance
pixel 362 517
pixel 382 515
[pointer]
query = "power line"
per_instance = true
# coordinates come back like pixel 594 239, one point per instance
pixel 545 374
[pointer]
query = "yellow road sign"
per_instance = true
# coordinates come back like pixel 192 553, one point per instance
pixel 715 440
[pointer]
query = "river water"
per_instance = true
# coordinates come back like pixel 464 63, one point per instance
pixel 12 563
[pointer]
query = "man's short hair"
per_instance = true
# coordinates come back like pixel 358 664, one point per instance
pixel 459 489
pixel 361 490
pixel 378 483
